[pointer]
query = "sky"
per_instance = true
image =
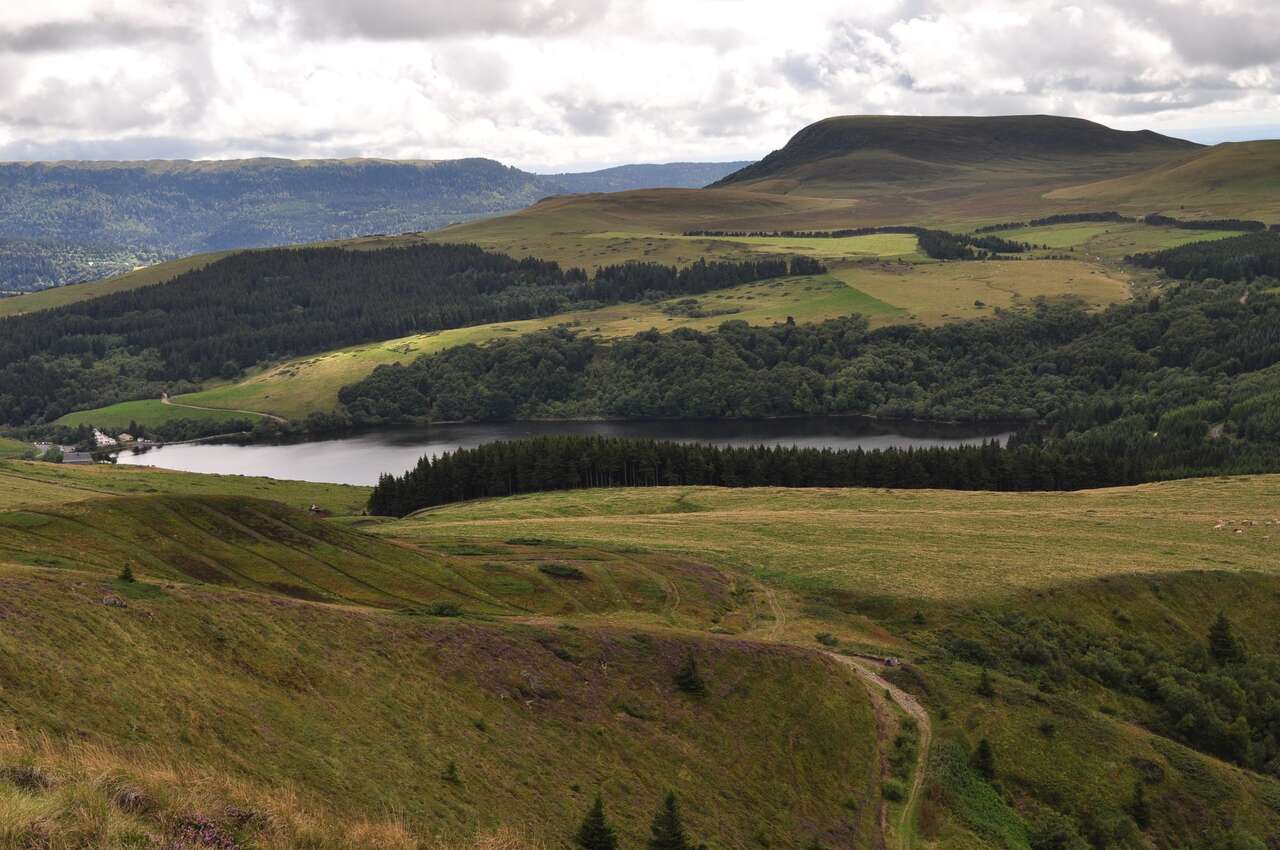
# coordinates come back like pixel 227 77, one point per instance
pixel 558 85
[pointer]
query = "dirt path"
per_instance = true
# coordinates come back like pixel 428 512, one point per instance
pixel 164 399
pixel 886 720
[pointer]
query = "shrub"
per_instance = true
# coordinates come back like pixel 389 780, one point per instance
pixel 827 639
pixel 688 679
pixel 566 571
pixel 984 760
pixel 893 791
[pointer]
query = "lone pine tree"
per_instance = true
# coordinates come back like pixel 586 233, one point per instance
pixel 595 832
pixel 668 829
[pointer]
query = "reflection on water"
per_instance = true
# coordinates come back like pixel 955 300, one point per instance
pixel 361 458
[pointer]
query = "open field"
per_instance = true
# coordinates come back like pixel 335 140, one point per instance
pixel 116 417
pixel 937 293
pixel 1111 241
pixel 34 484
pixel 878 246
pixel 927 545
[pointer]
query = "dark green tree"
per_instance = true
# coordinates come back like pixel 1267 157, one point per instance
pixel 126 574
pixel 1139 808
pixel 985 688
pixel 595 832
pixel 688 679
pixel 667 832
pixel 1224 646
pixel 984 760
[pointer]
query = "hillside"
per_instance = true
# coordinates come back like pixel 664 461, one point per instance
pixel 865 149
pixel 193 717
pixel 849 171
pixel 571 613
pixel 1237 180
pixel 70 221
pixel 1036 589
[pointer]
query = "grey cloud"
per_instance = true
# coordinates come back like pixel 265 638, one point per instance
pixel 802 72
pixel 1236 39
pixel 394 20
pixel 478 70
pixel 96 32
pixel 588 117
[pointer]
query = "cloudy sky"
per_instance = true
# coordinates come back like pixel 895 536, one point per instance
pixel 570 84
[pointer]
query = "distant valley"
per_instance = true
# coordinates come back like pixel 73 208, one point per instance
pixel 65 222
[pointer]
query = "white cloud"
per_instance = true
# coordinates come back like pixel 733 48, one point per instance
pixel 567 83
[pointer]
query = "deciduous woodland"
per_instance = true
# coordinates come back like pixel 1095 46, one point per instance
pixel 1175 365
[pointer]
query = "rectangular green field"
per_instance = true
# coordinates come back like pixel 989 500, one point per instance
pixel 116 417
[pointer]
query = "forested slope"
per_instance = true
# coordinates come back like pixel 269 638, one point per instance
pixel 251 307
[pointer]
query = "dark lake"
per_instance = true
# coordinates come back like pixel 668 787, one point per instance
pixel 361 458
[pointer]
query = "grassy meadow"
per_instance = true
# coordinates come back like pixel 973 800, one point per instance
pixel 34 484
pixel 943 546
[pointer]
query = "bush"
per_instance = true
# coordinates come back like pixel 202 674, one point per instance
pixel 827 639
pixel 565 571
pixel 688 679
pixel 436 609
pixel 893 791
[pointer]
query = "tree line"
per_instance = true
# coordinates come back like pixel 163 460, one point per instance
pixel 1246 225
pixel 1237 258
pixel 936 244
pixel 259 306
pixel 549 463
pixel 1061 218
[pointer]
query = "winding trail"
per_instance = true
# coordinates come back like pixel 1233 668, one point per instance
pixel 882 692
pixel 164 399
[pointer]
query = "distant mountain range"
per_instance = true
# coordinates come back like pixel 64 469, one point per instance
pixel 69 221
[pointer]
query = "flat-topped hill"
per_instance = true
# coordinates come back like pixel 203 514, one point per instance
pixel 948 140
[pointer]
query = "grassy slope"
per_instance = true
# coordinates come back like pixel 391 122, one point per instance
pixel 191 700
pixel 10 448
pixel 1238 180
pixel 765 565
pixel 857 564
pixel 929 545
pixel 36 484
pixel 59 296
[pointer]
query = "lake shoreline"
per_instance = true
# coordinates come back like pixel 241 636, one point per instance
pixel 360 457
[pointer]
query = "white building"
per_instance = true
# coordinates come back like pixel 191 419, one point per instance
pixel 102 441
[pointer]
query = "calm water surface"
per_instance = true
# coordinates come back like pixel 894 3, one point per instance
pixel 361 458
